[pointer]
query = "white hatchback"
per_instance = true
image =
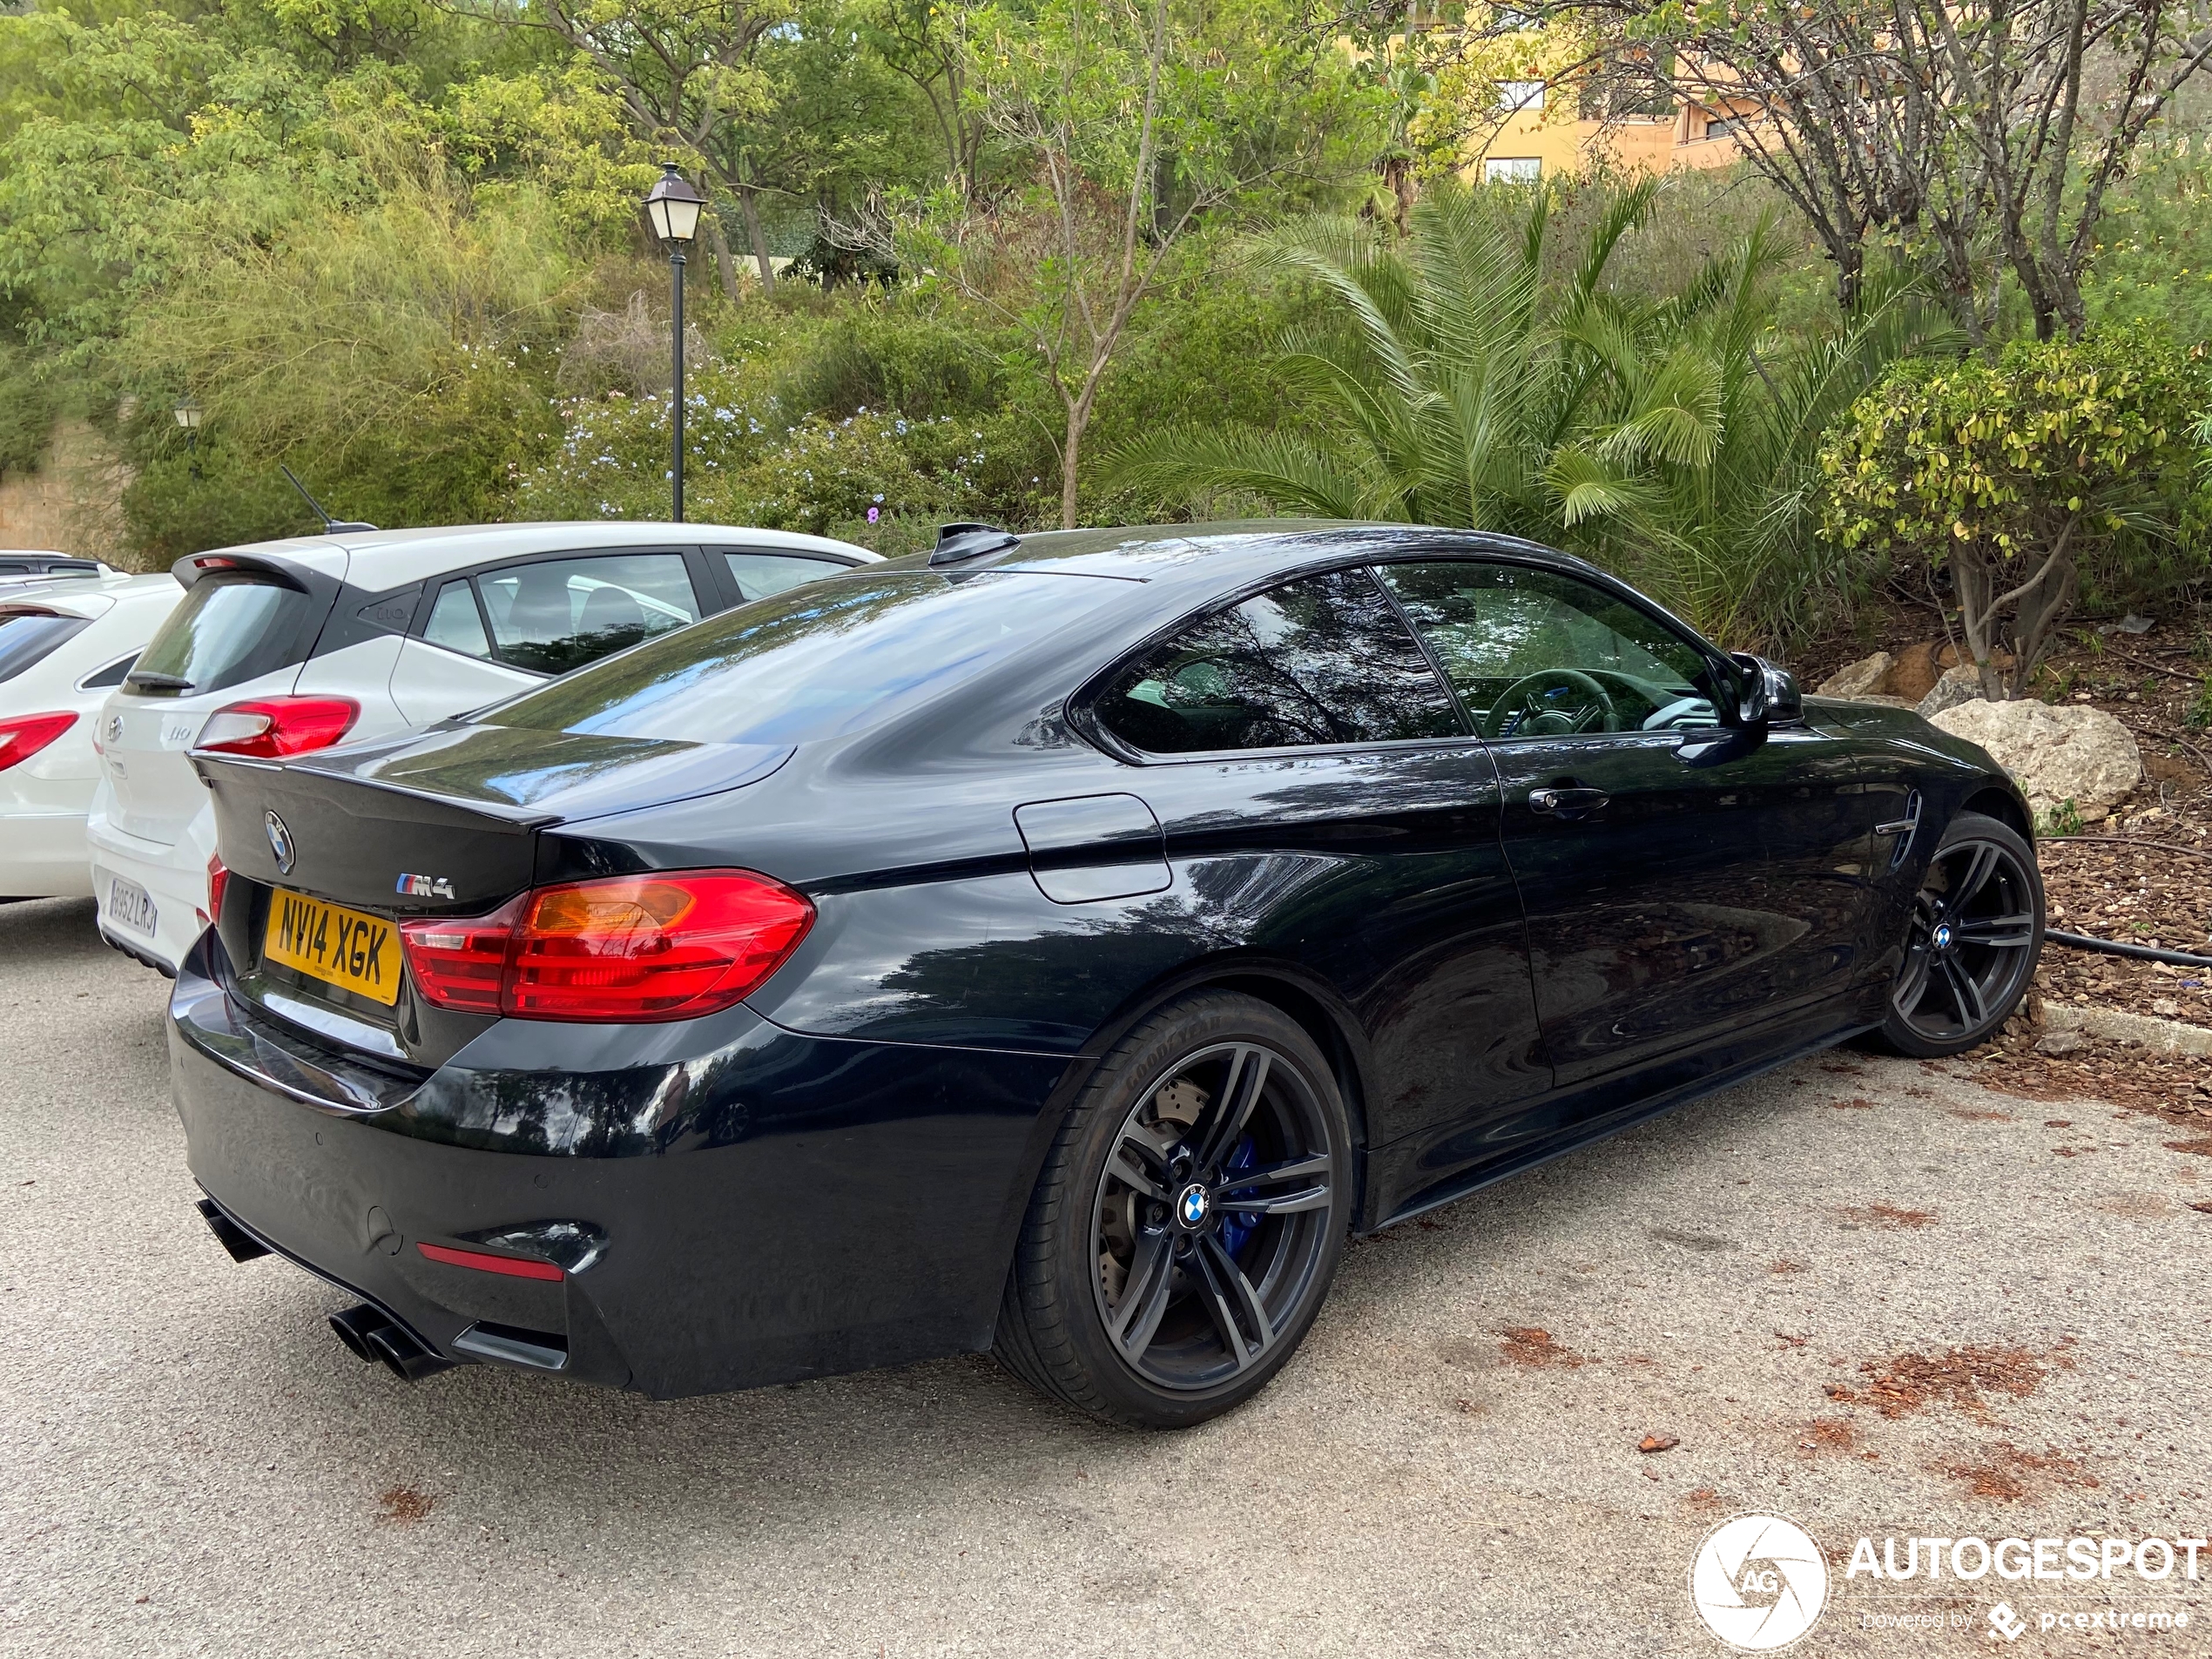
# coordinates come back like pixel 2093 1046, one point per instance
pixel 287 646
pixel 65 642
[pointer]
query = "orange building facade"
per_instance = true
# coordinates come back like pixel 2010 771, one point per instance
pixel 1534 144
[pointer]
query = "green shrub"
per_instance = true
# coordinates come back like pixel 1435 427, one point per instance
pixel 2017 475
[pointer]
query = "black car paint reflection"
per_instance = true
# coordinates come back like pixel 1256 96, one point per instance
pixel 831 1174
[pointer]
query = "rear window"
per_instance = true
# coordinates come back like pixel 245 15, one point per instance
pixel 817 661
pixel 227 630
pixel 28 637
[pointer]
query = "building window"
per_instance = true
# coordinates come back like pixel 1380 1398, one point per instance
pixel 1513 169
pixel 1519 17
pixel 1723 127
pixel 1521 95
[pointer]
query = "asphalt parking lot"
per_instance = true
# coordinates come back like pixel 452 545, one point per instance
pixel 1860 1292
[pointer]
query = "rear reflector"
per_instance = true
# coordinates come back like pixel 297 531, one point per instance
pixel 632 948
pixel 513 1266
pixel 268 728
pixel 24 736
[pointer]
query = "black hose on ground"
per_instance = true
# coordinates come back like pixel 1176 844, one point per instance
pixel 2114 947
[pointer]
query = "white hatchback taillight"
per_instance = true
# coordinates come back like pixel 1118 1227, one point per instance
pixel 269 728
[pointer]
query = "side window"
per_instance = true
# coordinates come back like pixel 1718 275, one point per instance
pixel 559 614
pixel 455 621
pixel 1535 654
pixel 109 677
pixel 1323 659
pixel 759 575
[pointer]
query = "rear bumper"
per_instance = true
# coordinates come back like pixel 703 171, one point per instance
pixel 731 1204
pixel 175 874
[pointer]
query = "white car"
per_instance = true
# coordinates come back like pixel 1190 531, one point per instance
pixel 64 644
pixel 287 646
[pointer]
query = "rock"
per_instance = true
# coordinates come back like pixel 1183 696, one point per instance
pixel 2058 1044
pixel 1912 675
pixel 1960 685
pixel 1857 678
pixel 2075 754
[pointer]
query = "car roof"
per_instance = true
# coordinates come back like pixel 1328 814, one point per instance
pixel 380 559
pixel 88 596
pixel 1153 552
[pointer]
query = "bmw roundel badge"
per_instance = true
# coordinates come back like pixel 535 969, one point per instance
pixel 280 842
pixel 1192 1205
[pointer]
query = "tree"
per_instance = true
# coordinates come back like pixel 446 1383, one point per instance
pixel 1967 130
pixel 2013 475
pixel 1669 434
pixel 925 41
pixel 1137 122
pixel 685 70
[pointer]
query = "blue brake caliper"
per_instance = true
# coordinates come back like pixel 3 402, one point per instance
pixel 1236 1226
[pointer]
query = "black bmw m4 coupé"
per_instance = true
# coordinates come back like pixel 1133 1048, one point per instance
pixel 1057 946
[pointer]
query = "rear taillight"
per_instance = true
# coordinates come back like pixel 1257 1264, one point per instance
pixel 268 728
pixel 218 877
pixel 462 963
pixel 632 948
pixel 22 738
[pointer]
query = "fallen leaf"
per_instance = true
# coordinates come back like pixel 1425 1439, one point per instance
pixel 1658 1443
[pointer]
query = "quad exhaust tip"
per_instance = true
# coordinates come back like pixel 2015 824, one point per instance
pixel 370 1335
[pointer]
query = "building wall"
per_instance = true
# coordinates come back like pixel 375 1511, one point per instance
pixel 1561 144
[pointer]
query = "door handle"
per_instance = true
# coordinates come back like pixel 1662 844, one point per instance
pixel 1567 802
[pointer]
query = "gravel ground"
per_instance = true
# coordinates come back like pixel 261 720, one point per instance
pixel 1861 1293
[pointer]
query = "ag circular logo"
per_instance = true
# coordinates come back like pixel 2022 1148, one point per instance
pixel 1759 1582
pixel 1193 1205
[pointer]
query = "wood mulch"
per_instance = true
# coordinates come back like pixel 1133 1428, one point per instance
pixel 2177 1088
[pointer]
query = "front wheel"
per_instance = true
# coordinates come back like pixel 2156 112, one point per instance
pixel 1970 943
pixel 1188 1221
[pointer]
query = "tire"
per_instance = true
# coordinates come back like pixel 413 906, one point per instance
pixel 1972 942
pixel 1125 1294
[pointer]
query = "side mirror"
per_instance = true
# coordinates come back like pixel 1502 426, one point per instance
pixel 1767 695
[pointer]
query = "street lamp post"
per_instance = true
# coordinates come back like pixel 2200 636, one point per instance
pixel 189 415
pixel 673 206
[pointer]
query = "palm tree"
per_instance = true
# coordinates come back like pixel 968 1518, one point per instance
pixel 1673 438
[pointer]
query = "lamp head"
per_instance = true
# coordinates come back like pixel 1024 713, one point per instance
pixel 673 206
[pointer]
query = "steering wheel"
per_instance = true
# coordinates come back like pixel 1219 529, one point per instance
pixel 1519 704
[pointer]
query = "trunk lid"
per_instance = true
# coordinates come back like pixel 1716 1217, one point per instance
pixel 447 821
pixel 459 807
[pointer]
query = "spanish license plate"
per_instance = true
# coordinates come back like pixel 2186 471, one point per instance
pixel 131 905
pixel 331 943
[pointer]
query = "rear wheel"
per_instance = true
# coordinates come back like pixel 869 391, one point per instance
pixel 1970 943
pixel 1188 1221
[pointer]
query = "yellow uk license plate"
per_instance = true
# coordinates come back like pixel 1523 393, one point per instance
pixel 337 946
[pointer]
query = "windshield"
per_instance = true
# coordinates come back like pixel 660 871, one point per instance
pixel 812 663
pixel 226 630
